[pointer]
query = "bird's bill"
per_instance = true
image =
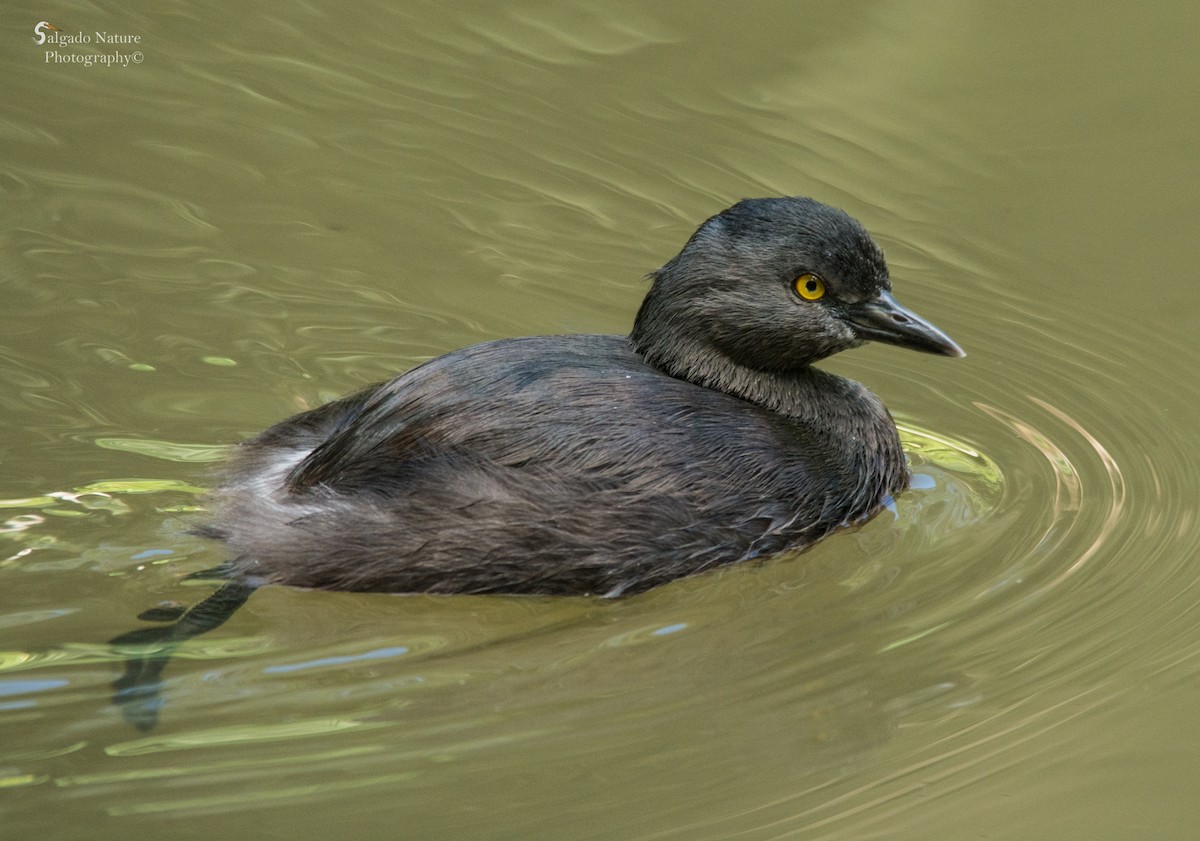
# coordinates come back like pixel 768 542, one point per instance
pixel 883 319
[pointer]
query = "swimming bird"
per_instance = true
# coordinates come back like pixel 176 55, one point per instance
pixel 601 464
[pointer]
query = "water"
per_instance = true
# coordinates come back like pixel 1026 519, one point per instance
pixel 279 205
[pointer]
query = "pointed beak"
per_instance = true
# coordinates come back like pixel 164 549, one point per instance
pixel 882 319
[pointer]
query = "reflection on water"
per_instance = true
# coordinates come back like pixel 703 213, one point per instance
pixel 1068 492
pixel 280 205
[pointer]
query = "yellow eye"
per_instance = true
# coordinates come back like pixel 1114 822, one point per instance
pixel 810 287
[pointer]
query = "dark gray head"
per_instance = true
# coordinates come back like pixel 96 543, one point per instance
pixel 774 285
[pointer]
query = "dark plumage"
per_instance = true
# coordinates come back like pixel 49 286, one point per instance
pixel 600 464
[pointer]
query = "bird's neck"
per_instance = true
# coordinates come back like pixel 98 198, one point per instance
pixel 796 393
pixel 841 410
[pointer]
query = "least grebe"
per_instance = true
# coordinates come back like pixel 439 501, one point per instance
pixel 591 464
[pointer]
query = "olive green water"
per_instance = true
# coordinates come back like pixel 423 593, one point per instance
pixel 275 206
